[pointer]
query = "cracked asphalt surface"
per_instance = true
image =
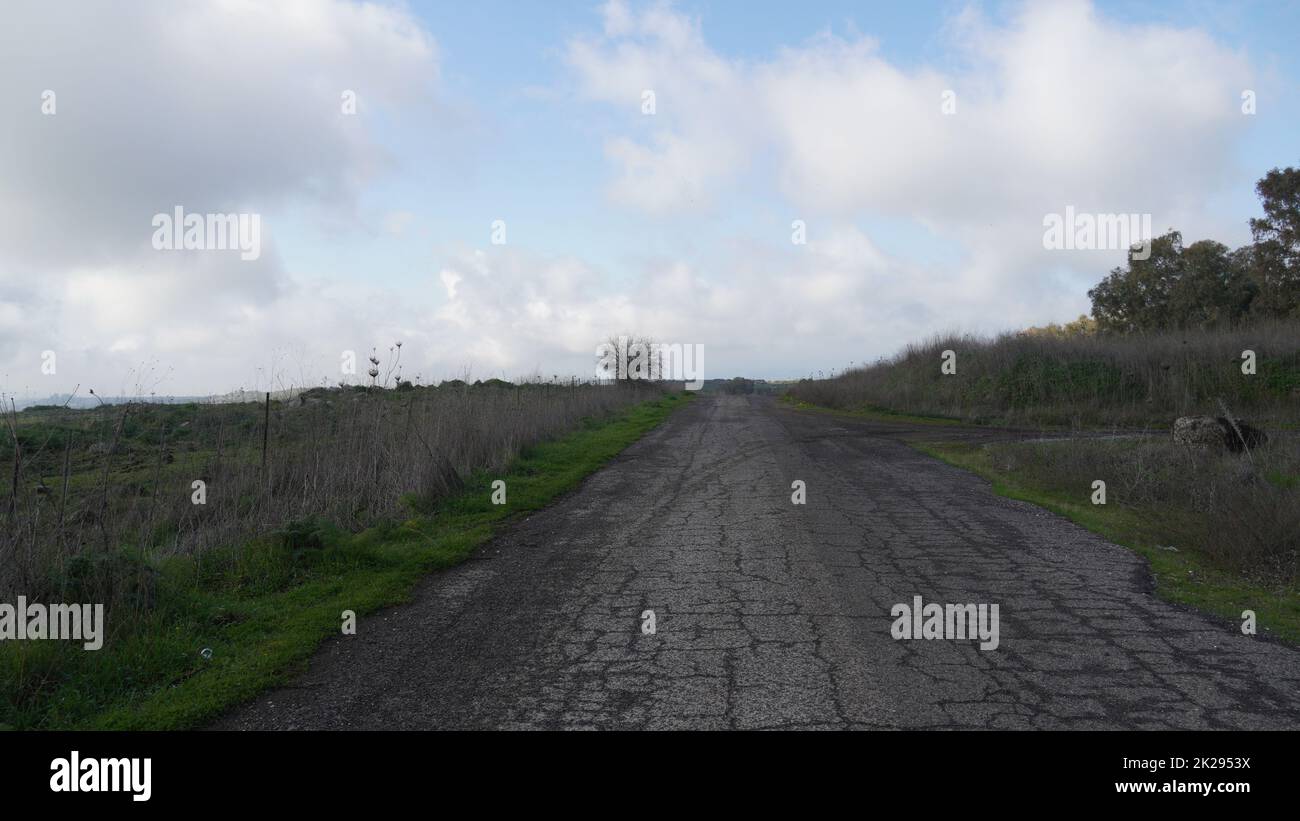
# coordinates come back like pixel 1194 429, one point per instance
pixel 775 615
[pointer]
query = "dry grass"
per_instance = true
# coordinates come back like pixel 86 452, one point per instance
pixel 1242 513
pixel 95 495
pixel 1110 381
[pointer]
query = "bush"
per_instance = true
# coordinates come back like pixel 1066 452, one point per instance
pixel 1135 380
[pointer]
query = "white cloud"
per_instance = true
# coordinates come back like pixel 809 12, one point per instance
pixel 1057 106
pixel 1057 103
pixel 778 307
pixel 663 52
pixel 220 106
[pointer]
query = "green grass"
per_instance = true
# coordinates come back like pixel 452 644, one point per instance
pixel 1282 480
pixel 875 413
pixel 1182 577
pixel 264 607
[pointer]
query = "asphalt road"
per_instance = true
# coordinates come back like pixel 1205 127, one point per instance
pixel 775 615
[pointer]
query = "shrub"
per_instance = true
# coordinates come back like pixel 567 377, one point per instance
pixel 1110 380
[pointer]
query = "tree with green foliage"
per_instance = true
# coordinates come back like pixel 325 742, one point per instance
pixel 1213 289
pixel 1276 263
pixel 1204 284
pixel 1136 298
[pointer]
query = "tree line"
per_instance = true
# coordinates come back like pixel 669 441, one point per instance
pixel 1205 284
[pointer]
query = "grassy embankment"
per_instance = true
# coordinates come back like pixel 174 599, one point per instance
pixel 262 608
pixel 1198 572
pixel 1100 382
pixel 1220 531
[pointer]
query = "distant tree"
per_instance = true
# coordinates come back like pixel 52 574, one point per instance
pixel 1201 285
pixel 638 354
pixel 1083 326
pixel 1213 288
pixel 1275 265
pixel 1205 284
pixel 1136 298
pixel 739 385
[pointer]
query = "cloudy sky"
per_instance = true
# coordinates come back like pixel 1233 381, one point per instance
pixel 378 225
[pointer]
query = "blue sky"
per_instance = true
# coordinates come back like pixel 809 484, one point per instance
pixel 677 225
pixel 504 61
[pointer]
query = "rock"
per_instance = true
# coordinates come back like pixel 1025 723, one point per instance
pixel 1199 431
pixel 1217 432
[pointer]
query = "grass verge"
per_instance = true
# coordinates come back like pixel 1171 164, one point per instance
pixel 1184 577
pixel 875 413
pixel 263 608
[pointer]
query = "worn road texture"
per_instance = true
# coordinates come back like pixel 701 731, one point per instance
pixel 773 615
